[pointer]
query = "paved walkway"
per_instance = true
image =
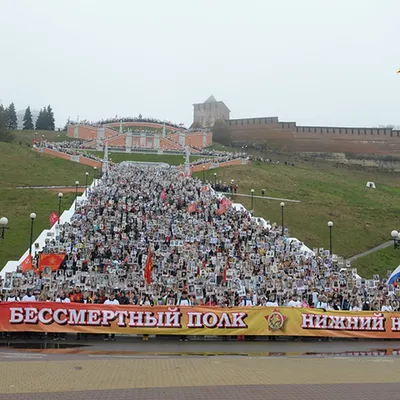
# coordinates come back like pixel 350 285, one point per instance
pixel 233 195
pixel 365 253
pixel 366 391
pixel 63 189
pixel 211 378
pixel 220 378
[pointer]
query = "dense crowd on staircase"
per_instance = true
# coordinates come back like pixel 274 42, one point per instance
pixel 203 250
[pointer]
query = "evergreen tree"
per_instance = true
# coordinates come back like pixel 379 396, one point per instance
pixel 5 134
pixel 3 120
pixel 45 119
pixel 42 121
pixel 12 122
pixel 28 124
pixel 50 119
pixel 39 121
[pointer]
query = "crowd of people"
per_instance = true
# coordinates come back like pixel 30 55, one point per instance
pixel 205 251
pixel 72 148
pixel 216 158
pixel 79 148
pixel 128 119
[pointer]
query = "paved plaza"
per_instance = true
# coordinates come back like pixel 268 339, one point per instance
pixel 173 370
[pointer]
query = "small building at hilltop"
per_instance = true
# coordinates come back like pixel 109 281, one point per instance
pixel 205 114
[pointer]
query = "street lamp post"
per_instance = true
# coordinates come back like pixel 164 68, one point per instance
pixel 396 238
pixel 252 199
pixel 86 181
pixel 32 216
pixel 215 180
pixel 3 226
pixel 330 224
pixel 60 196
pixel 283 221
pixel 76 193
pixel 204 171
pixel 232 183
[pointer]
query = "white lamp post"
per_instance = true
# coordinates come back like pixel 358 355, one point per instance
pixel 395 237
pixel 32 217
pixel 330 225
pixel 60 196
pixel 76 193
pixel 283 227
pixel 3 226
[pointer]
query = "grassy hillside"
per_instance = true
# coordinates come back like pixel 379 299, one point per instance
pixel 27 136
pixel 17 205
pixel 171 159
pixel 20 166
pixel 362 217
pixel 379 262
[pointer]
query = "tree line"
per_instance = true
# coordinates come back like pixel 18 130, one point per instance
pixel 9 121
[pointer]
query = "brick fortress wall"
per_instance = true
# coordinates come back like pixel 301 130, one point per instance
pixel 288 137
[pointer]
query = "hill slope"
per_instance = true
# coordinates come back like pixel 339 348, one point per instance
pixel 363 218
pixel 20 166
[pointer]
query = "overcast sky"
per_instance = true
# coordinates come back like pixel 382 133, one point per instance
pixel 316 62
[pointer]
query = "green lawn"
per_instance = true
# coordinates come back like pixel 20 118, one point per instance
pixel 17 205
pixel 363 218
pixel 379 262
pixel 172 159
pixel 20 166
pixel 220 147
pixel 28 136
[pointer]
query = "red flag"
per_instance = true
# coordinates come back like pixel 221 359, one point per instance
pixel 221 209
pixel 225 269
pixel 50 260
pixel 53 218
pixel 191 208
pixel 163 195
pixel 27 263
pixel 148 268
pixel 226 202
